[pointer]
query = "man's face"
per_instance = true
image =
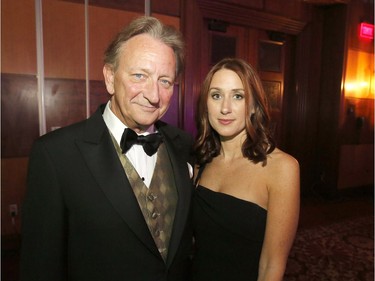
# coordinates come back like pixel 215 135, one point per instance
pixel 142 85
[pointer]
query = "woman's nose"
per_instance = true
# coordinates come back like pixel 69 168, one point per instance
pixel 226 106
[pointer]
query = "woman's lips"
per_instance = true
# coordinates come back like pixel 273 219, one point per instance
pixel 225 121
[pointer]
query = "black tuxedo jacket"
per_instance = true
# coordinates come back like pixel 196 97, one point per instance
pixel 81 220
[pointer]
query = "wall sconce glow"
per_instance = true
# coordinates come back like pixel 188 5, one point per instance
pixel 366 31
pixel 359 77
pixel 357 89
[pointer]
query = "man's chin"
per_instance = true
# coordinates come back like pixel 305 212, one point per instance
pixel 144 125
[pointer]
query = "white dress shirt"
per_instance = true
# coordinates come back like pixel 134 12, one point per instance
pixel 142 163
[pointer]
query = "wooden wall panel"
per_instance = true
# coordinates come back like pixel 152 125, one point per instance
pixel 252 46
pixel 18 45
pixel 173 21
pixel 170 8
pixel 292 9
pixel 249 17
pixel 333 52
pixel 65 102
pixel 64 40
pixel 303 107
pixel 98 95
pixel 356 166
pixel 254 4
pixel 192 28
pixel 13 186
pixel 19 114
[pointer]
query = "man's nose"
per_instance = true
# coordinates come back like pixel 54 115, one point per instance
pixel 151 92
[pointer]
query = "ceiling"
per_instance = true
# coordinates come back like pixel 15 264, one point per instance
pixel 326 2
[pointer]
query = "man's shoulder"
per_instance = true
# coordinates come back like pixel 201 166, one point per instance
pixel 75 130
pixel 63 135
pixel 173 131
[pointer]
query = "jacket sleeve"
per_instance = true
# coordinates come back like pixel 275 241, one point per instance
pixel 43 251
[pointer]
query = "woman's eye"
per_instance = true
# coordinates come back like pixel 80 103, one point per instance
pixel 238 96
pixel 215 95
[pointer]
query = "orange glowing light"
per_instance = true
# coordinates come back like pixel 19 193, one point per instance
pixel 359 78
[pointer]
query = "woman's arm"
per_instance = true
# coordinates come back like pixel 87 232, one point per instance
pixel 283 185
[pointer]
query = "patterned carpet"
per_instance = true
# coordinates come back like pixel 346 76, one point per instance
pixel 338 252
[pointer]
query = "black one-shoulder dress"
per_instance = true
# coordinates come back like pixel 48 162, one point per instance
pixel 229 234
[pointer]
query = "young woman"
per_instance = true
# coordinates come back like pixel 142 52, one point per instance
pixel 246 203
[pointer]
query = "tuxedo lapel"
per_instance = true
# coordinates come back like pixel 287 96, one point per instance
pixel 100 155
pixel 184 189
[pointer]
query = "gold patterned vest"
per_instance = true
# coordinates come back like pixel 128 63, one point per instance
pixel 158 201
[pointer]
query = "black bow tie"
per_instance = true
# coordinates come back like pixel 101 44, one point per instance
pixel 150 142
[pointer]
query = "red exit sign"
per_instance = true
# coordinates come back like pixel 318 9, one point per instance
pixel 366 31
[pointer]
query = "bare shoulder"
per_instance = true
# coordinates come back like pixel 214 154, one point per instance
pixel 279 159
pixel 283 170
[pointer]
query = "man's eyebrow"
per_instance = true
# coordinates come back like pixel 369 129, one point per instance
pixel 139 69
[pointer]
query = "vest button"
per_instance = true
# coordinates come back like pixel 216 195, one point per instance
pixel 162 250
pixel 151 197
pixel 155 214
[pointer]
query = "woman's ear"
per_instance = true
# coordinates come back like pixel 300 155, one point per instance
pixel 252 111
pixel 109 78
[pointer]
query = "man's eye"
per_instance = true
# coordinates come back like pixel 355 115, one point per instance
pixel 166 83
pixel 139 76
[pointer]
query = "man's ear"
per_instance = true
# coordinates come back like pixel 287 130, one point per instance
pixel 109 79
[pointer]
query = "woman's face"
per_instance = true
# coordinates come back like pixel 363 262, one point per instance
pixel 226 104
